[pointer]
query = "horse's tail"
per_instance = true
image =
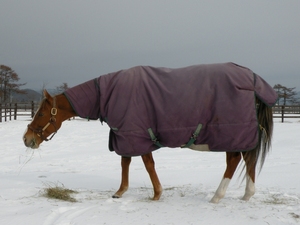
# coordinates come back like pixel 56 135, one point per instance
pixel 265 121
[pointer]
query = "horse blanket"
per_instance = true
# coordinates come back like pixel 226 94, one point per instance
pixel 148 108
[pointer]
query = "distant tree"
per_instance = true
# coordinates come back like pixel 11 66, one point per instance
pixel 62 88
pixel 286 95
pixel 43 88
pixel 8 85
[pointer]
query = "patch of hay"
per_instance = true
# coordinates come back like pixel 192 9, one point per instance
pixel 296 216
pixel 60 193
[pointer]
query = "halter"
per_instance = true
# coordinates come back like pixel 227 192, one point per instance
pixel 40 132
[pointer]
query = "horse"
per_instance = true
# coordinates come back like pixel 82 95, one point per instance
pixel 210 107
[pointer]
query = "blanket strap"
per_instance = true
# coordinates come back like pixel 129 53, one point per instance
pixel 154 138
pixel 194 137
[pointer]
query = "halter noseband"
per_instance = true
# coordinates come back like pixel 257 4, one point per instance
pixel 40 132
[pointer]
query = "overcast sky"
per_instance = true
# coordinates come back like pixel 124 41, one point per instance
pixel 51 42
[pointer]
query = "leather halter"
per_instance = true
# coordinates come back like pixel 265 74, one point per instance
pixel 40 131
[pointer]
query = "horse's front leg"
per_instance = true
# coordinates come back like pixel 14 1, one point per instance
pixel 150 167
pixel 125 162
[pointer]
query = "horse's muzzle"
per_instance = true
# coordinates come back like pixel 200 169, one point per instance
pixel 30 143
pixel 29 140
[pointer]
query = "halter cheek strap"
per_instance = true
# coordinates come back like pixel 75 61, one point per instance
pixel 40 132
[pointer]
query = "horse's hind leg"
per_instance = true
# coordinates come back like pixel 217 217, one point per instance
pixel 150 167
pixel 125 162
pixel 232 160
pixel 250 179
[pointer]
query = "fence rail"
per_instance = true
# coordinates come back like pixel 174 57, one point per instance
pixel 9 111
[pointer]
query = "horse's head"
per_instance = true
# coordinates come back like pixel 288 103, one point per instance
pixel 46 121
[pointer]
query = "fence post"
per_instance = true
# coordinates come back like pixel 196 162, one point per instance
pixel 16 110
pixel 0 112
pixel 32 109
pixel 9 111
pixel 5 112
pixel 282 114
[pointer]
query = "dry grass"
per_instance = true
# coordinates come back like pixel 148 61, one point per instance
pixel 60 193
pixel 294 215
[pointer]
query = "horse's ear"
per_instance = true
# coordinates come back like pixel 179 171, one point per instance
pixel 47 95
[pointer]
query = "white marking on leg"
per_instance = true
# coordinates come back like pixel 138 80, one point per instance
pixel 250 188
pixel 220 192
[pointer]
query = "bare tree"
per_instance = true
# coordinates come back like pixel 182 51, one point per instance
pixel 8 85
pixel 286 95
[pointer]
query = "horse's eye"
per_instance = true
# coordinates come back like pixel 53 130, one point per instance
pixel 41 114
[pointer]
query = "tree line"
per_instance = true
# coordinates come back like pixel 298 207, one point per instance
pixel 9 85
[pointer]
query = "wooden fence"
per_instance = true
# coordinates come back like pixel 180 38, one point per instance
pixel 9 111
pixel 288 111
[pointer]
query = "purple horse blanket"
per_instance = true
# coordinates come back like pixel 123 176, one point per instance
pixel 148 108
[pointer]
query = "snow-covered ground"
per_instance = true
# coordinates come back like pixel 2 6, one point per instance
pixel 78 158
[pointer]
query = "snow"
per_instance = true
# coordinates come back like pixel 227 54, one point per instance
pixel 78 158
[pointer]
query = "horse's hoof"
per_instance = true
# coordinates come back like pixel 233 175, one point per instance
pixel 156 197
pixel 115 196
pixel 246 198
pixel 214 200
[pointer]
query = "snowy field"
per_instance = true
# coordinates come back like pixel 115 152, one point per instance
pixel 78 158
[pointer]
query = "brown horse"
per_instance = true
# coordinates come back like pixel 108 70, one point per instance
pixel 54 110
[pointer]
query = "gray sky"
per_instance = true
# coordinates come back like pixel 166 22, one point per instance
pixel 51 42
